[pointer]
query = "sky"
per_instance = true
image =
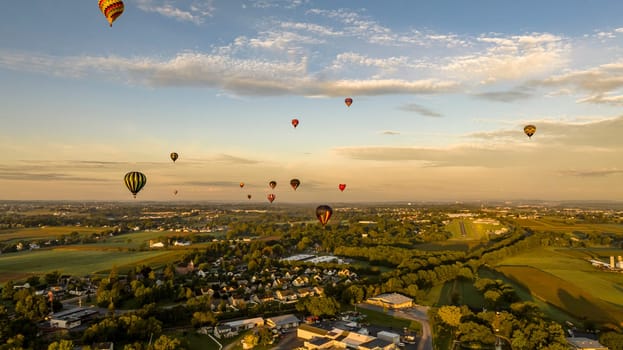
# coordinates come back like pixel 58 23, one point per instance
pixel 441 92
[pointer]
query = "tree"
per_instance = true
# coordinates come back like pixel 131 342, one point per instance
pixel 62 345
pixel 614 341
pixel 166 343
pixel 250 341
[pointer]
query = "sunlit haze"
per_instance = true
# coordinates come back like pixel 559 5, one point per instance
pixel 441 92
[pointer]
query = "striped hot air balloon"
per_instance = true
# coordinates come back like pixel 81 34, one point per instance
pixel 323 213
pixel 529 130
pixel 135 181
pixel 111 9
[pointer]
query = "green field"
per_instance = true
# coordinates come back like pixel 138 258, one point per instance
pixel 44 233
pixel 473 230
pixel 565 281
pixel 76 261
pixel 554 224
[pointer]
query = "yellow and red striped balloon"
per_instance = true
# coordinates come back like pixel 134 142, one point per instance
pixel 112 9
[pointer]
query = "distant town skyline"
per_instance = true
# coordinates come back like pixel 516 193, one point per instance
pixel 441 92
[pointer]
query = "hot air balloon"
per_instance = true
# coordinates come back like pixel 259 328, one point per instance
pixel 271 197
pixel 295 122
pixel 348 101
pixel 295 183
pixel 174 156
pixel 342 187
pixel 135 181
pixel 175 192
pixel 529 130
pixel 241 184
pixel 272 184
pixel 111 9
pixel 323 213
pixel 249 196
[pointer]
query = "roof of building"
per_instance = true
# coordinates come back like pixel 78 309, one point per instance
pixel 238 323
pixel 319 341
pixel 393 298
pixel 586 343
pixel 381 343
pixel 283 319
pixel 315 330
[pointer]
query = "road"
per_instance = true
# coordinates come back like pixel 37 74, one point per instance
pixel 417 313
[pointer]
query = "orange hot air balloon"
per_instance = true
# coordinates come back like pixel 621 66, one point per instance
pixel 348 101
pixel 342 187
pixel 323 213
pixel 295 122
pixel 272 184
pixel 295 183
pixel 241 184
pixel 111 9
pixel 271 197
pixel 529 130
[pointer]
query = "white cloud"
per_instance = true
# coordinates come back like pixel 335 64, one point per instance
pixel 414 107
pixel 239 76
pixel 196 12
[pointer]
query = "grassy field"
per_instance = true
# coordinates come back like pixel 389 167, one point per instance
pixel 566 281
pixel 380 318
pixel 44 233
pixel 76 261
pixel 473 231
pixel 554 224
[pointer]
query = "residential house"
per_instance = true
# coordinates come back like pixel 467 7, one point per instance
pixel 283 322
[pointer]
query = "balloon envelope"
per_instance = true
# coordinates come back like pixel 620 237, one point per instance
pixel 111 9
pixel 323 213
pixel 241 184
pixel 272 184
pixel 249 196
pixel 341 187
pixel 295 183
pixel 271 197
pixel 174 156
pixel 135 181
pixel 529 130
pixel 295 122
pixel 348 101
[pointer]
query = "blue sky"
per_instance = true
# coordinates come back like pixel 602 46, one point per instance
pixel 441 89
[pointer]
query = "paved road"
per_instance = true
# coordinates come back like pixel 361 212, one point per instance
pixel 417 313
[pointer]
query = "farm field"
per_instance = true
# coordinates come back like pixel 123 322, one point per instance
pixel 76 261
pixel 45 233
pixel 568 282
pixel 560 225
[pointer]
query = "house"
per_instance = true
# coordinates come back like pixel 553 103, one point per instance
pixel 69 319
pixel 224 331
pixel 581 343
pixel 304 292
pixel 391 301
pixel 286 296
pixel 300 281
pixel 242 325
pixel 378 344
pixel 283 322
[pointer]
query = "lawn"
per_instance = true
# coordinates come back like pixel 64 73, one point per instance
pixel 74 261
pixel 382 319
pixel 44 233
pixel 473 231
pixel 560 225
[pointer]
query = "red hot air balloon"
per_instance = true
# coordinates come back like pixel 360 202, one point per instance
pixel 272 184
pixel 295 122
pixel 271 197
pixel 342 187
pixel 323 213
pixel 348 101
